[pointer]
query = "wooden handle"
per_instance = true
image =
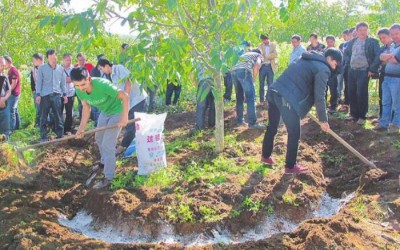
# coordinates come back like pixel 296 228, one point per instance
pixel 70 137
pixel 348 146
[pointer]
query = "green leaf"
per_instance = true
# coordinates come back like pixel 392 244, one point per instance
pixel 171 4
pixel 44 22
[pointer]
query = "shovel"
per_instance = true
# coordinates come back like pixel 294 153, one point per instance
pixel 66 138
pixel 346 145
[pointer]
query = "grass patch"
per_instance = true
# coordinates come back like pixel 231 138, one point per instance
pixel 210 214
pixel 180 212
pixel 396 144
pixel 290 199
pixel 252 205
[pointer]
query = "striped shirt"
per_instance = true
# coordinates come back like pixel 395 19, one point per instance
pixel 248 60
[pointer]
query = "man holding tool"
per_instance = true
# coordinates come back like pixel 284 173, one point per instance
pixel 291 97
pixel 114 107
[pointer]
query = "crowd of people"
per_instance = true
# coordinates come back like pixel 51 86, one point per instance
pixel 344 71
pixel 106 94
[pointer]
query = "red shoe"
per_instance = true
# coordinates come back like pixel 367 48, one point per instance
pixel 297 169
pixel 268 161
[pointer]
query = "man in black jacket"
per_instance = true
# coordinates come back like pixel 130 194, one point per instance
pixel 291 97
pixel 363 52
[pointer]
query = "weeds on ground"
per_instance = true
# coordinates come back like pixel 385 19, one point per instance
pixel 252 205
pixel 234 213
pixel 63 183
pixel 290 199
pixel 396 144
pixel 210 214
pixel 359 207
pixel 269 209
pixel 180 212
pixel 163 178
pixel 334 159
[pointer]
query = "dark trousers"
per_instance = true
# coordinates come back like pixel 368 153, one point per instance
pixel 152 97
pixel 5 128
pixel 94 113
pixel 173 89
pixel 53 102
pixel 332 86
pixel 205 103
pixel 68 113
pixel 277 107
pixel 130 129
pixel 358 93
pixel 346 85
pixel 381 77
pixel 265 72
pixel 228 86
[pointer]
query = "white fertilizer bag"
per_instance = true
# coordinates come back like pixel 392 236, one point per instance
pixel 150 148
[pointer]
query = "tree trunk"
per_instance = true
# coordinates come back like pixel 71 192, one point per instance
pixel 219 113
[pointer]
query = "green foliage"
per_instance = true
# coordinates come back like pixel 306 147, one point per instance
pixel 290 199
pixel 210 214
pixel 252 205
pixel 234 213
pixel 396 144
pixel 269 209
pixel 180 212
pixel 122 180
pixel 64 183
pixel 333 158
pixel 10 159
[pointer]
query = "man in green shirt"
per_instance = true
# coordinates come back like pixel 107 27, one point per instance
pixel 114 107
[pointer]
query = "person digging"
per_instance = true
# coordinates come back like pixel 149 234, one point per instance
pixel 114 107
pixel 291 97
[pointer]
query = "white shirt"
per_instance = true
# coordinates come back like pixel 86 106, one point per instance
pixel 266 54
pixel 119 75
pixel 69 86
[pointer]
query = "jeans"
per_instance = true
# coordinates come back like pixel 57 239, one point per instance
pixel 277 107
pixel 173 89
pixel 51 103
pixel 244 86
pixel 130 129
pixel 390 102
pixel 265 72
pixel 106 140
pixel 68 113
pixel 358 93
pixel 332 85
pixel 205 102
pixel 94 115
pixel 5 121
pixel 15 121
pixel 228 86
pixel 37 108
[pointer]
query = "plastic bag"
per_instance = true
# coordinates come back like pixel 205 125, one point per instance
pixel 150 147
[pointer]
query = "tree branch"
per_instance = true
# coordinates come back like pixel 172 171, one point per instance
pixel 132 20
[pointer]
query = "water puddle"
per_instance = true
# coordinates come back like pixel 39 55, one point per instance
pixel 83 223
